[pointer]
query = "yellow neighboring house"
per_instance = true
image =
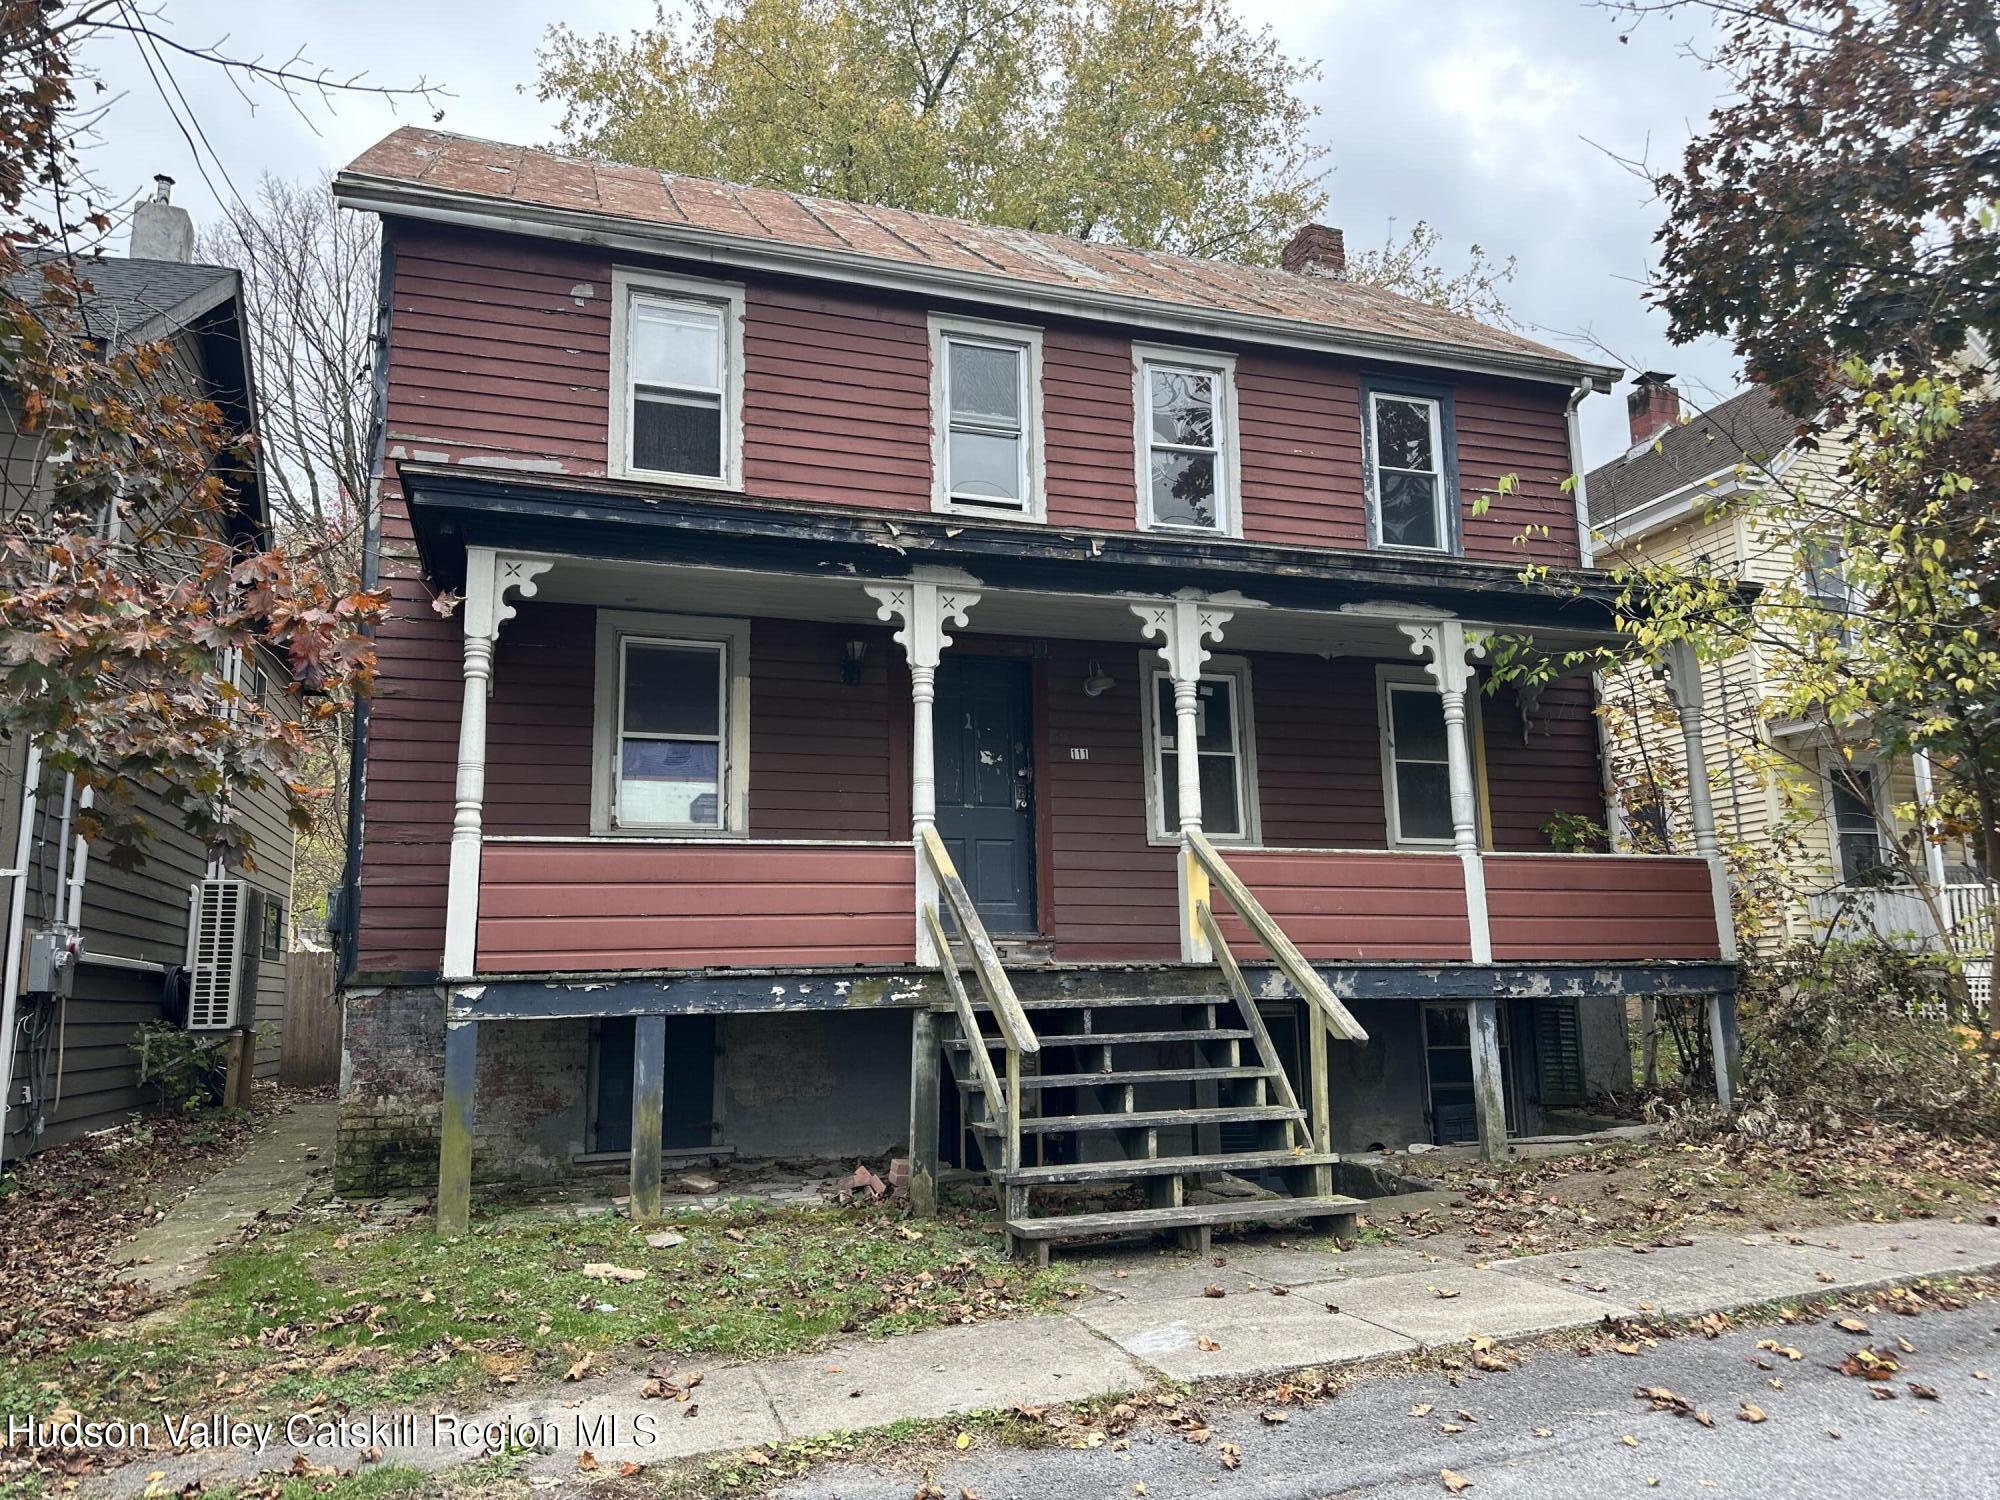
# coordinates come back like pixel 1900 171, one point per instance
pixel 1822 824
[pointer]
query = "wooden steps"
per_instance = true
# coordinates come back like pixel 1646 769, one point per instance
pixel 1144 1119
pixel 1192 1221
pixel 1166 1166
pixel 1215 1079
pixel 1109 1078
pixel 1058 1039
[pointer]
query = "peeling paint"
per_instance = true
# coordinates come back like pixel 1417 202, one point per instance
pixel 582 293
pixel 514 462
pixel 429 456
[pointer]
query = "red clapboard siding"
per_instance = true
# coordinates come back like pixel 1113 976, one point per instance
pixel 1554 769
pixel 1319 761
pixel 1359 906
pixel 1114 891
pixel 1508 427
pixel 499 348
pixel 1087 418
pixel 836 399
pixel 1300 421
pixel 819 749
pixel 586 907
pixel 1599 906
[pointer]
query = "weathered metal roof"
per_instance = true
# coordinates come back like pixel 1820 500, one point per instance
pixel 823 233
pixel 1747 429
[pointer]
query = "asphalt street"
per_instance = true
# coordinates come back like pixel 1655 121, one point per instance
pixel 1824 1434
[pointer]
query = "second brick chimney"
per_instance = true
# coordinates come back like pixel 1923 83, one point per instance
pixel 1652 406
pixel 1316 251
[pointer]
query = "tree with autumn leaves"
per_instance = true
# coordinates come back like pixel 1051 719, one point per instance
pixel 133 575
pixel 1836 221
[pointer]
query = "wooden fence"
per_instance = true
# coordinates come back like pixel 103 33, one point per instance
pixel 309 1049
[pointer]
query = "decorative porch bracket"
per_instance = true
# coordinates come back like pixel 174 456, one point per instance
pixel 924 606
pixel 1182 624
pixel 1682 671
pixel 490 578
pixel 1448 646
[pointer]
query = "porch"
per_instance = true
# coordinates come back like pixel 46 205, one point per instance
pixel 724 787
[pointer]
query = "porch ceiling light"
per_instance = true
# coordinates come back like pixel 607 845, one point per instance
pixel 1099 682
pixel 850 669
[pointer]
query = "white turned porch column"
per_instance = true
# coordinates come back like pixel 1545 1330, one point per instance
pixel 1682 670
pixel 1182 624
pixel 1446 644
pixel 489 579
pixel 1920 769
pixel 923 607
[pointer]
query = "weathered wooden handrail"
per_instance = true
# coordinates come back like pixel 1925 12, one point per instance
pixel 997 1109
pixel 986 967
pixel 1284 952
pixel 1253 1019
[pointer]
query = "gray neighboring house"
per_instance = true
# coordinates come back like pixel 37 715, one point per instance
pixel 93 952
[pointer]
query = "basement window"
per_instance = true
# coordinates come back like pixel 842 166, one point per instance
pixel 677 380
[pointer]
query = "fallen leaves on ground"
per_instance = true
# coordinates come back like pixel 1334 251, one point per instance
pixel 1648 1194
pixel 1750 1411
pixel 1453 1481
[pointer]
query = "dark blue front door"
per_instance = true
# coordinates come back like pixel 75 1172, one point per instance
pixel 986 786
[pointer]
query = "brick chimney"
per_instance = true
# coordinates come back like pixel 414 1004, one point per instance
pixel 1316 251
pixel 161 231
pixel 1652 406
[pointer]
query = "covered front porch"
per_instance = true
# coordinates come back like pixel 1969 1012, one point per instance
pixel 767 781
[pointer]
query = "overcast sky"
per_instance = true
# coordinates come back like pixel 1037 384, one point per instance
pixel 1489 118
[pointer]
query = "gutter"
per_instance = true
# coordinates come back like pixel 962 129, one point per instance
pixel 392 197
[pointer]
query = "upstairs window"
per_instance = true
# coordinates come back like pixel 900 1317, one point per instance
pixel 672 724
pixel 986 416
pixel 676 380
pixel 1411 478
pixel 1857 831
pixel 1186 429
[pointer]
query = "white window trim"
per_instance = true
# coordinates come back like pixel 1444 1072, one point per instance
pixel 1441 501
pixel 726 295
pixel 1387 680
pixel 1237 670
pixel 1878 786
pixel 614 627
pixel 1229 446
pixel 1034 460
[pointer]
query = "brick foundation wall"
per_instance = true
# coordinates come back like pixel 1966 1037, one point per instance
pixel 531 1103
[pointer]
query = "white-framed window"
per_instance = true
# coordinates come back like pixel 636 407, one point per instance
pixel 986 418
pixel 671 752
pixel 676 379
pixel 1416 770
pixel 1410 472
pixel 1226 746
pixel 1186 440
pixel 1858 849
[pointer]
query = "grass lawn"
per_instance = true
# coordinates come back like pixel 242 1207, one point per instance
pixel 329 1310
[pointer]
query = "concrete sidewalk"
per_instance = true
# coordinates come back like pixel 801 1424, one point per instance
pixel 271 1175
pixel 1151 1316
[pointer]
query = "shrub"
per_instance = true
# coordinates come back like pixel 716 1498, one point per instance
pixel 187 1068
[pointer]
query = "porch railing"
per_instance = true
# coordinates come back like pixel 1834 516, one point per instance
pixel 1003 1102
pixel 1904 915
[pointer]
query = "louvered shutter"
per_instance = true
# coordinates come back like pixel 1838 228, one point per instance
pixel 1559 1052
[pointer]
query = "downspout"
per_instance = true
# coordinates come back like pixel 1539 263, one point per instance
pixel 1586 546
pixel 17 919
pixel 1586 550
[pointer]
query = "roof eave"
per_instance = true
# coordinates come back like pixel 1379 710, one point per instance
pixel 392 196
